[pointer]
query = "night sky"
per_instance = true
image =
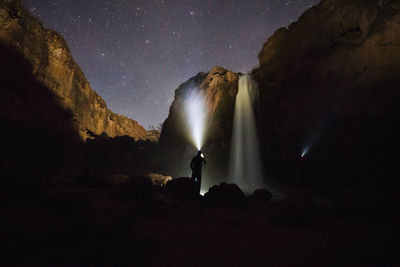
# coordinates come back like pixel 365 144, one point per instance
pixel 136 53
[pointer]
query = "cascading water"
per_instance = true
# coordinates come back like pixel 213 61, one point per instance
pixel 245 164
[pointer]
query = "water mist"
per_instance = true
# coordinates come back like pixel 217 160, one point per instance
pixel 245 164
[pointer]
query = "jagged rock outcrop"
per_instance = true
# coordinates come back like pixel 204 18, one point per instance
pixel 53 65
pixel 159 179
pixel 219 88
pixel 331 82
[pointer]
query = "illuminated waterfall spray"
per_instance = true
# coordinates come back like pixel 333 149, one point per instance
pixel 196 116
pixel 245 163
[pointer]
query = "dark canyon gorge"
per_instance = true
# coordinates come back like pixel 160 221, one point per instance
pixel 93 187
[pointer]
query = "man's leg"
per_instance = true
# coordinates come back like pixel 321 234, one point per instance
pixel 198 182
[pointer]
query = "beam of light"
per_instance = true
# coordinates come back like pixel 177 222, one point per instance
pixel 196 115
pixel 203 191
pixel 305 151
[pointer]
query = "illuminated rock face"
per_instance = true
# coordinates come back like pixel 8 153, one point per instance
pixel 330 82
pixel 219 88
pixel 53 65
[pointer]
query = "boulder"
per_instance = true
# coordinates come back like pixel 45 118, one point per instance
pixel 183 187
pixel 159 179
pixel 261 195
pixel 224 194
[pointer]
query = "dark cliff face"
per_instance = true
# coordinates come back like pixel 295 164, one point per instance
pixel 38 135
pixel 219 87
pixel 53 66
pixel 331 82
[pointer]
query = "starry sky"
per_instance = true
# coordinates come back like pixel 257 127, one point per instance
pixel 136 53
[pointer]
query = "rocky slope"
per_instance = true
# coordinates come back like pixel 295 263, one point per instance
pixel 331 82
pixel 219 87
pixel 48 54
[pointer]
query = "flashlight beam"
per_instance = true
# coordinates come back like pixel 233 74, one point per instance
pixel 196 114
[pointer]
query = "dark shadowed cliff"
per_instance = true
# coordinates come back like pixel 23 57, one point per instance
pixel 53 66
pixel 331 82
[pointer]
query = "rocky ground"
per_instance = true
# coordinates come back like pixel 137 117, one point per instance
pixel 134 223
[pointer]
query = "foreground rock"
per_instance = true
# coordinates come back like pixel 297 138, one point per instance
pixel 159 179
pixel 224 194
pixel 261 195
pixel 182 187
pixel 53 66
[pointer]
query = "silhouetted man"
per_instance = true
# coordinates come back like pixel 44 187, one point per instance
pixel 196 164
pixel 301 170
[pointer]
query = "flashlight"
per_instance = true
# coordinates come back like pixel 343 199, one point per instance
pixel 305 150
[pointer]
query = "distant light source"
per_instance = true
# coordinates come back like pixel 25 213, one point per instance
pixel 196 114
pixel 305 150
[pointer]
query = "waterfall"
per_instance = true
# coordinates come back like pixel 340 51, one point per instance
pixel 245 164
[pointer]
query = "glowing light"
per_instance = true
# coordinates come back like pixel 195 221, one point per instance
pixel 201 155
pixel 196 114
pixel 305 150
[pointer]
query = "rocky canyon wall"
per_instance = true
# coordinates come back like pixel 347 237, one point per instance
pixel 52 64
pixel 330 82
pixel 219 88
